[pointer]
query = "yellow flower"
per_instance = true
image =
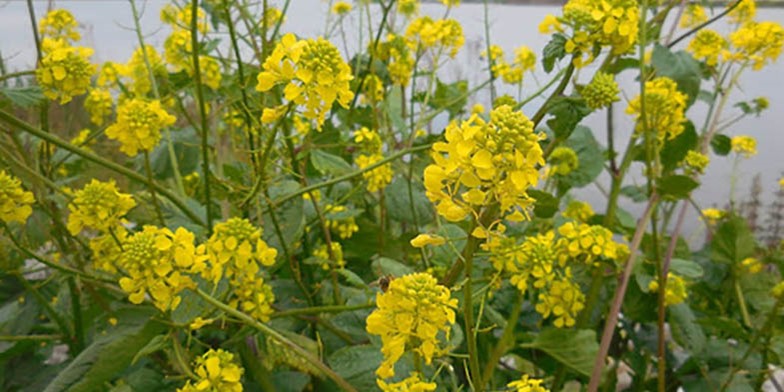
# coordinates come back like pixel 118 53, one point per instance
pixel 757 43
pixel 373 89
pixel 198 323
pixel 587 242
pixel 181 17
pixel 336 260
pixel 695 162
pixel 563 300
pixel 599 23
pixel 59 24
pixel 778 290
pixel 15 202
pixel 64 71
pixel 408 7
pixel 109 74
pixel 526 384
pixel 138 125
pixel 781 182
pixel 158 262
pixel 752 265
pixel 744 145
pixel 396 54
pixel 378 178
pixel 410 314
pixel 664 106
pixel 563 161
pixel 83 140
pixel 341 8
pixel 99 104
pixel 602 91
pixel 707 45
pixel 340 221
pixel 713 215
pixel 439 35
pixel 550 24
pixel 482 162
pixel 744 12
pixel 98 206
pixel 693 16
pixel 676 289
pixel 579 211
pixel 136 69
pixel 451 3
pixel 423 240
pixel 216 371
pixel 236 251
pixel 368 140
pixel 413 383
pixel 313 72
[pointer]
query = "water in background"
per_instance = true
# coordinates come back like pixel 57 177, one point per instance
pixel 108 26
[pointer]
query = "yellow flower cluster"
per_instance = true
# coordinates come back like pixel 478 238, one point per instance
pixel 664 108
pixel 707 45
pixel 337 253
pixel 599 23
pixel 757 43
pixel 217 371
pixel 744 145
pixel 396 54
pixel 526 384
pixel 713 215
pixel 752 265
pixel 236 251
pixel 340 222
pixel 524 61
pixel 563 161
pixel 313 72
pixel 410 315
pixel 65 71
pixel 579 211
pixel 744 12
pixel 341 8
pixel 485 162
pixel 693 16
pixel 59 24
pixel 602 91
pixel 563 301
pixel 15 202
pixel 178 47
pixel 586 243
pixel 137 71
pixel 408 7
pixel 413 383
pixel 138 126
pixel 98 206
pixel 372 89
pixel 439 35
pixel 695 162
pixel 676 289
pixel 371 147
pixel 99 104
pixel 158 262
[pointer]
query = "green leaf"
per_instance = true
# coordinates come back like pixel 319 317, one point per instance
pixel 589 155
pixel 187 154
pixel 567 113
pixel 677 186
pixel 732 242
pixel 24 97
pixel 108 355
pixel 574 348
pixel 674 151
pixel 546 204
pixel 635 192
pixel 290 217
pixel 452 97
pixel 399 202
pixel 681 67
pixel 357 365
pixel 327 163
pixel 686 268
pixel 721 144
pixel 384 266
pixel 685 330
pixel 444 255
pixel 156 344
pixel 553 51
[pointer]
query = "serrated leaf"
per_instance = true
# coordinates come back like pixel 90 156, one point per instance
pixel 677 186
pixel 674 151
pixel 721 144
pixel 567 113
pixel 575 348
pixel 553 51
pixel 399 202
pixel 732 242
pixel 357 365
pixel 327 163
pixel 681 67
pixel 589 156
pixel 685 330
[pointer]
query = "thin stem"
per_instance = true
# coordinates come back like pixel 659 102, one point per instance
pixel 620 293
pixel 468 315
pixel 205 130
pixel 342 383
pixel 153 195
pixel 16 75
pixel 704 24
pixel 504 342
pixel 321 309
pixel 539 115
pixel 76 309
pixel 487 49
pixel 130 174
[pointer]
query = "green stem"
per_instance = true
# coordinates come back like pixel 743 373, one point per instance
pixel 539 115
pixel 744 310
pixel 342 383
pixel 153 195
pixel 468 313
pixel 49 310
pixel 76 309
pixel 130 174
pixel 507 337
pixel 704 24
pixel 16 75
pixel 321 309
pixel 205 131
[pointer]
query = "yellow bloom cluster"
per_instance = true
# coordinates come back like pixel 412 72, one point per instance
pixel 713 215
pixel 408 7
pixel 217 371
pixel 372 89
pixel 586 243
pixel 524 61
pixel 236 251
pixel 98 206
pixel 664 108
pixel 599 23
pixel 337 253
pixel 563 300
pixel 778 290
pixel 313 72
pixel 413 383
pixel 398 57
pixel 752 265
pixel 371 147
pixel 99 104
pixel 707 45
pixel 341 8
pixel 65 71
pixel 485 162
pixel 423 240
pixel 178 47
pixel 744 145
pixel 676 289
pixel 137 71
pixel 158 262
pixel 138 126
pixel 59 24
pixel 15 202
pixel 440 35
pixel 757 43
pixel 744 12
pixel 695 162
pixel 602 91
pixel 340 222
pixel 563 161
pixel 526 384
pixel 693 16
pixel 410 314
pixel 579 211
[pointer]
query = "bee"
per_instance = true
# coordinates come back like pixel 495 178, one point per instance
pixel 383 282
